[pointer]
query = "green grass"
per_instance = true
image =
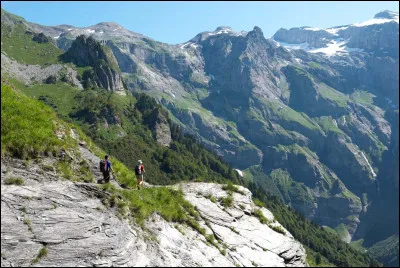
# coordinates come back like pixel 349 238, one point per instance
pixel 14 181
pixel 327 125
pixel 211 197
pixel 362 96
pixel 341 230
pixel 227 201
pixel 60 95
pixel 278 229
pixel 169 203
pixel 230 187
pixel 290 115
pixel 258 202
pixel 349 195
pixel 20 46
pixel 81 70
pixel 27 221
pixel 258 213
pixel 42 253
pixel 332 94
pixel 27 126
pixel 64 167
pixel 315 65
pixel 234 230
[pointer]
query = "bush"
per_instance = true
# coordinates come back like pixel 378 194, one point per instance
pixel 14 180
pixel 258 213
pixel 226 201
pixel 42 253
pixel 277 229
pixel 232 188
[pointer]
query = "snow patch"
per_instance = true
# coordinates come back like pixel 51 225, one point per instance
pixel 334 47
pixel 304 46
pixel 312 29
pixel 187 44
pixel 219 32
pixel 336 30
pixel 183 45
pixel 56 37
pixel 375 21
pixel 89 31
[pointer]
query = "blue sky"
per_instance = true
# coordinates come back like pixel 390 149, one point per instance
pixel 177 22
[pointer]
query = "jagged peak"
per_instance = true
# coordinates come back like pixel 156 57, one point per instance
pixel 256 32
pixel 387 14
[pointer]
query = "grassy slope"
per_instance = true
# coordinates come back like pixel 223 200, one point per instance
pixel 28 129
pixel 18 45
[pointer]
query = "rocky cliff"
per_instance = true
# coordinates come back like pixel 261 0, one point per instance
pixel 52 222
pixel 86 51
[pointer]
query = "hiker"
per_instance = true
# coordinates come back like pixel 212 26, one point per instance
pixel 106 169
pixel 139 170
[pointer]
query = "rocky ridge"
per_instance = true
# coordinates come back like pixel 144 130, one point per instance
pixel 69 220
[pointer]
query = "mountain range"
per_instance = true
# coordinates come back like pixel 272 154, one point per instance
pixel 309 115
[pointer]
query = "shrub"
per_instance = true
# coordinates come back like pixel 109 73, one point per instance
pixel 27 221
pixel 226 201
pixel 232 188
pixel 42 253
pixel 277 229
pixel 212 198
pixel 14 180
pixel 258 213
pixel 258 202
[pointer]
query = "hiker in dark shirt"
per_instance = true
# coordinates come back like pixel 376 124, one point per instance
pixel 107 169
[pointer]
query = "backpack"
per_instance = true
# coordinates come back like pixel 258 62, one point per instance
pixel 102 165
pixel 138 170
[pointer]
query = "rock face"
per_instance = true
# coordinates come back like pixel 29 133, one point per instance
pixel 41 38
pixel 86 51
pixel 159 125
pixel 69 220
